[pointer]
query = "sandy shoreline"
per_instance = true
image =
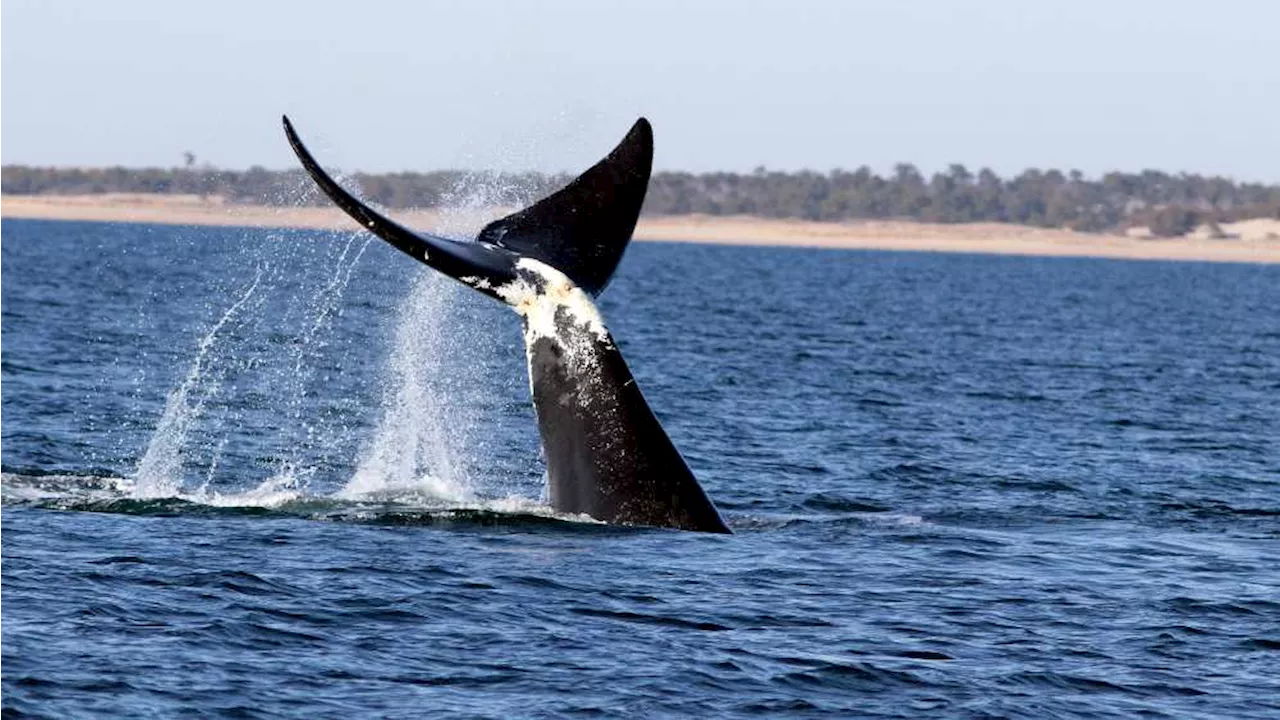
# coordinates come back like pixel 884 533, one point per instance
pixel 1254 241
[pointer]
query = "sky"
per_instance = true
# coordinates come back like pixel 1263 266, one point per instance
pixel 731 85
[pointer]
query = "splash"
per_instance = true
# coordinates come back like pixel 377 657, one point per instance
pixel 159 473
pixel 306 353
pixel 256 392
pixel 241 354
pixel 415 445
pixel 426 440
pixel 475 200
pixel 272 492
pixel 106 494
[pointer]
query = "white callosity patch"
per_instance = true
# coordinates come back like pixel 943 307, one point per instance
pixel 556 309
pixel 540 306
pixel 476 282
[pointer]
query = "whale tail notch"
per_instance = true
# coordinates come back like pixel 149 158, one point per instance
pixel 583 229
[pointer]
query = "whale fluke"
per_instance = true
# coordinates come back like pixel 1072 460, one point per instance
pixel 490 267
pixel 607 455
pixel 583 229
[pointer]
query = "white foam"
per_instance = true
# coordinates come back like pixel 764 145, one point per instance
pixel 426 487
pixel 273 492
pixel 27 489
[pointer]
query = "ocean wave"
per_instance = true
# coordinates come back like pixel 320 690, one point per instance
pixel 411 505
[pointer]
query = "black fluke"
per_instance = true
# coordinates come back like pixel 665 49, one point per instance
pixel 456 259
pixel 607 454
pixel 583 229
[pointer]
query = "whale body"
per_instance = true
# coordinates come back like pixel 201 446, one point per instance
pixel 607 455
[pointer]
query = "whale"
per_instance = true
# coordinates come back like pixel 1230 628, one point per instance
pixel 607 455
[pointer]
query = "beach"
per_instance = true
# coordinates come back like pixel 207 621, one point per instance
pixel 1252 241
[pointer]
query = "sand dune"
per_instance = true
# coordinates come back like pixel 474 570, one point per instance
pixel 1256 241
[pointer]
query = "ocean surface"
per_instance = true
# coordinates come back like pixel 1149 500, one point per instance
pixel 257 474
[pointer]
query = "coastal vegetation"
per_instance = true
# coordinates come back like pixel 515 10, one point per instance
pixel 1170 205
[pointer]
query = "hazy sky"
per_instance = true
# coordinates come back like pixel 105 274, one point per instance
pixel 378 86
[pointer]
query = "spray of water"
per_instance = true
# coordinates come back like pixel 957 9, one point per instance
pixel 412 448
pixel 423 445
pixel 293 469
pixel 159 473
pixel 194 430
pixel 426 437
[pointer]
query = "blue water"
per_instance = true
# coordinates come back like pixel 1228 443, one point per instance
pixel 257 473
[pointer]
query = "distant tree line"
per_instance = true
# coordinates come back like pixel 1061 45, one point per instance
pixel 260 186
pixel 1168 204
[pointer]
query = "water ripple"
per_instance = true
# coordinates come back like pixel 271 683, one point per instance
pixel 960 486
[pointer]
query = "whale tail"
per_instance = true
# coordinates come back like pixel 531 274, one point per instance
pixel 607 455
pixel 582 230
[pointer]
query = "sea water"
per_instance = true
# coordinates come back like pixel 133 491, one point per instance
pixel 263 473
